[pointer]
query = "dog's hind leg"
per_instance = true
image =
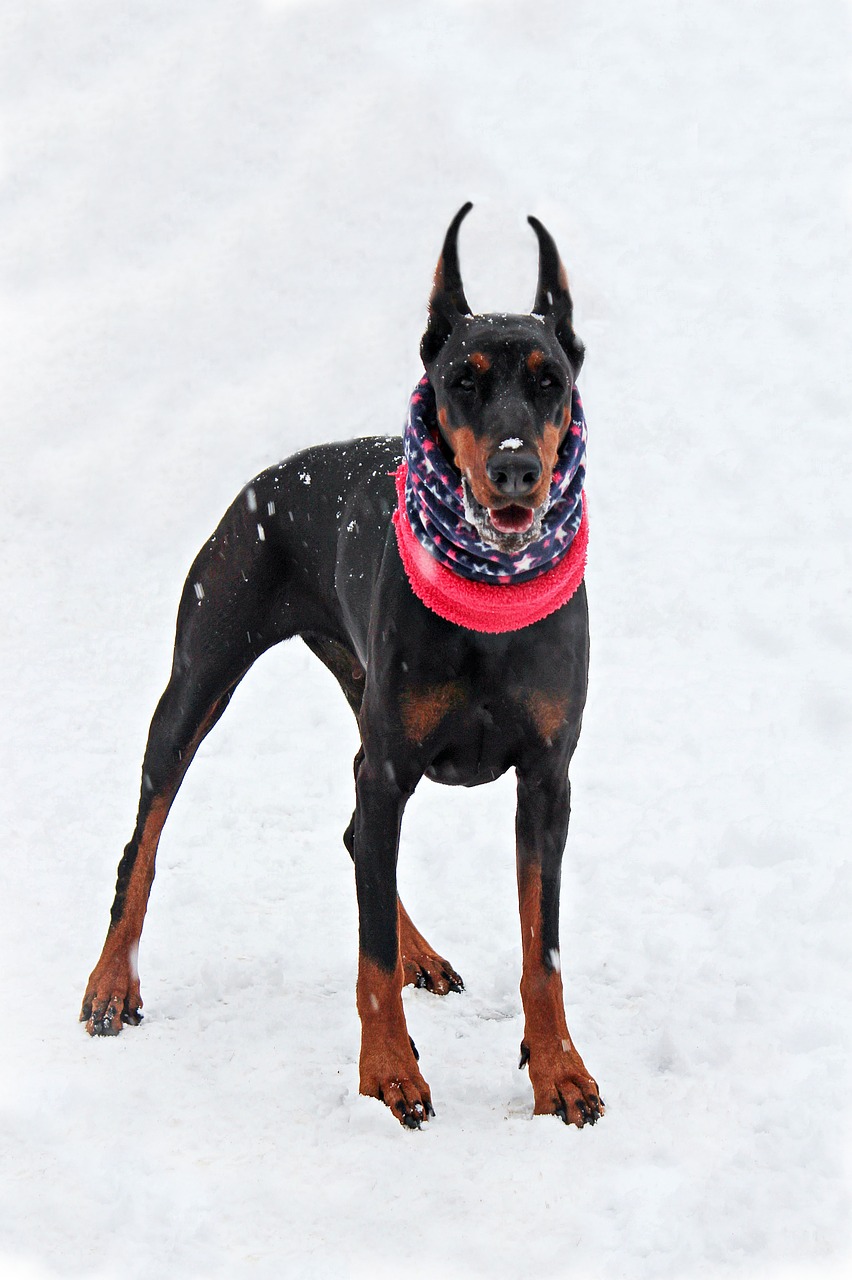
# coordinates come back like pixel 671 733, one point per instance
pixel 229 614
pixel 179 725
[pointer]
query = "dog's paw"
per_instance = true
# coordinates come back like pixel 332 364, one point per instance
pixel 403 1090
pixel 432 972
pixel 421 966
pixel 562 1087
pixel 573 1102
pixel 408 1099
pixel 112 998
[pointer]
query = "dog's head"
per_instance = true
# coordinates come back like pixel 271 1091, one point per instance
pixel 503 388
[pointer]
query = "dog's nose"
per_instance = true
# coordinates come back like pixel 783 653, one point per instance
pixel 514 473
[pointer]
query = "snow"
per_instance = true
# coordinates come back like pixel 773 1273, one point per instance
pixel 219 225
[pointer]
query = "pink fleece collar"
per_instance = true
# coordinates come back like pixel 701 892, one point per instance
pixel 479 606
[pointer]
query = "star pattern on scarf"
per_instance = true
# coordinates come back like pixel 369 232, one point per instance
pixel 435 506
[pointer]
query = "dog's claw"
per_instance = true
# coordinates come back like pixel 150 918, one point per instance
pixel 107 1023
pixel 430 973
pixel 408 1098
pixel 587 1113
pixel 413 1117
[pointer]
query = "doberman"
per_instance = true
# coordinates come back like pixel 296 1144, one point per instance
pixel 308 549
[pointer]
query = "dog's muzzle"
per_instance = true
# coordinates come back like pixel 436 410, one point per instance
pixel 508 529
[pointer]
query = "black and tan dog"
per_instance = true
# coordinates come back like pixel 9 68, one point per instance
pixel 319 560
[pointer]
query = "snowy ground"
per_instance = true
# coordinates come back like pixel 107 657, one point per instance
pixel 219 223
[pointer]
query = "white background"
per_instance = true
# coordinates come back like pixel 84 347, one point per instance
pixel 218 224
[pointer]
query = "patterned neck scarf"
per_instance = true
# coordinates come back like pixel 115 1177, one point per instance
pixel 435 505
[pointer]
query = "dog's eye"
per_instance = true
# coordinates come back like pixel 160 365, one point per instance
pixel 465 383
pixel 548 382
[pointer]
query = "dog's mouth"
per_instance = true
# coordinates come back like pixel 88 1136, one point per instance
pixel 511 519
pixel 509 529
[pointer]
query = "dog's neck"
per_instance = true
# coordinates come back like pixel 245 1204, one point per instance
pixel 450 569
pixel 438 503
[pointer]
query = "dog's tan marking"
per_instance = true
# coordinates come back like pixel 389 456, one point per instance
pixel 142 875
pixel 388 1068
pixel 465 447
pixel 548 711
pixel 548 451
pixel 480 361
pixel 541 988
pixel 115 978
pixel 470 456
pixel 557 1072
pixel 422 710
pixel 551 440
pixel 438 282
pixel 535 360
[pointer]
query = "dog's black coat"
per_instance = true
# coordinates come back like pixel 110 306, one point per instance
pixel 308 549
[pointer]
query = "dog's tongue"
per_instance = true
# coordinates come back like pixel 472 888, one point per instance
pixel 513 519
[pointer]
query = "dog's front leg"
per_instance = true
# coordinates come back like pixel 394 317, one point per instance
pixel 388 1064
pixel 561 1084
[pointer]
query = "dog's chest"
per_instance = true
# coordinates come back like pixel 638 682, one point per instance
pixel 472 727
pixel 475 743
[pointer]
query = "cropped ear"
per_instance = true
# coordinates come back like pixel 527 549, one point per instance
pixel 552 299
pixel 447 303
